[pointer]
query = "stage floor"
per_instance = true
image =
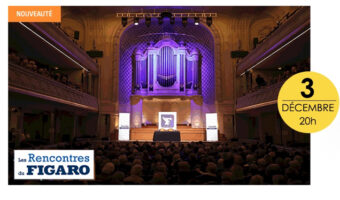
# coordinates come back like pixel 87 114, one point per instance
pixel 188 134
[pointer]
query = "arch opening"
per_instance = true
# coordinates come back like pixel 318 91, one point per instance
pixel 194 39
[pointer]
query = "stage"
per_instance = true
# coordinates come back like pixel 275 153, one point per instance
pixel 188 134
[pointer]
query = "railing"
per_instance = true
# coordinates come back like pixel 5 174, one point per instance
pixel 25 81
pixel 262 97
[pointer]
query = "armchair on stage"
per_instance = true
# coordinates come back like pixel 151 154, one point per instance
pixel 167 68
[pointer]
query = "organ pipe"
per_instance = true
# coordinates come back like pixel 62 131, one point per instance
pixel 169 67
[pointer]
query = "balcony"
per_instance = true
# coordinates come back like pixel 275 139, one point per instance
pixel 288 43
pixel 263 97
pixel 25 81
pixel 48 44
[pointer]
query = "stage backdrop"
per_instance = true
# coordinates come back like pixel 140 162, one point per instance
pixel 151 108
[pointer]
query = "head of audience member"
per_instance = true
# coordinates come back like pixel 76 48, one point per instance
pixel 211 168
pixel 158 178
pixel 226 177
pixel 256 180
pixel 136 170
pixel 24 62
pixel 293 69
pixel 237 174
pixel 108 168
pixel 135 175
pixel 118 177
pixel 278 179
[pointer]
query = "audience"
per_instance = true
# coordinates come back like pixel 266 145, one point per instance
pixel 44 70
pixel 229 162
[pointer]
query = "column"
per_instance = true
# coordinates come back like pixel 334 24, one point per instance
pixel 138 57
pixel 151 72
pixel 260 129
pixel 75 127
pixel 16 118
pixel 112 127
pixel 136 112
pixel 278 129
pixel 85 81
pixel 182 50
pixel 195 74
pixel 182 72
pixel 90 83
pixel 101 125
pixel 52 129
pixel 95 86
pixel 228 126
pixel 196 112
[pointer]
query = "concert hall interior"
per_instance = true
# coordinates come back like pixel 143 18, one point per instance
pixel 70 84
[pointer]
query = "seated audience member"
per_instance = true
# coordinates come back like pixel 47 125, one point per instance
pixel 64 79
pixel 41 71
pixel 237 174
pixel 209 177
pixel 256 180
pixel 226 178
pixel 34 68
pixel 220 166
pixel 260 81
pixel 293 70
pixel 250 158
pixel 158 178
pixel 135 175
pixel 183 172
pixel 31 64
pixel 118 178
pixel 14 58
pixel 46 72
pixel 286 74
pixel 271 170
pixel 106 172
pixel 160 167
pixel 24 62
pixel 57 76
pixel 278 179
pixel 108 168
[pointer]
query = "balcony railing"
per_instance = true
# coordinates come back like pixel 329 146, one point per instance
pixel 262 97
pixel 28 82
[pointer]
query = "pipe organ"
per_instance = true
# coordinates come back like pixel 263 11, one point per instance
pixel 167 68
